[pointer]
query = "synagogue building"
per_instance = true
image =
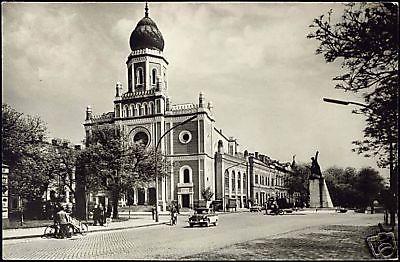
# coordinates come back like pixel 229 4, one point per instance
pixel 200 155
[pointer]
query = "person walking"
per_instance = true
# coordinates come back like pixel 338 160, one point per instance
pixel 101 215
pixel 173 215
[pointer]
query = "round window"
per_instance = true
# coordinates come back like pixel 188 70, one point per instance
pixel 141 138
pixel 185 137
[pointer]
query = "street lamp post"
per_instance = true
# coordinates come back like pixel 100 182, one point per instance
pixel 341 102
pixel 391 169
pixel 155 157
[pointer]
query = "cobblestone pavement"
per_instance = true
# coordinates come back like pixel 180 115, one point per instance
pixel 333 242
pixel 174 242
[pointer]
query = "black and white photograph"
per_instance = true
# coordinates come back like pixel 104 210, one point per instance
pixel 206 131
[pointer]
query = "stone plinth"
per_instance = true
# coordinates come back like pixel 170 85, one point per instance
pixel 319 193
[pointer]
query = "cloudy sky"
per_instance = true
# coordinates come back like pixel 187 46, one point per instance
pixel 252 60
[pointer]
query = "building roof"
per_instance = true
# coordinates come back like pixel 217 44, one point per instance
pixel 146 35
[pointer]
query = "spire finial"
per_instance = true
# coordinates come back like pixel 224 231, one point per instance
pixel 146 10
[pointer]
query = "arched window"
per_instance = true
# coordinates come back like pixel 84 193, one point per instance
pixel 185 174
pixel 158 106
pixel 126 111
pixel 133 110
pixel 233 181
pixel 226 179
pixel 238 181
pixel 151 108
pixel 129 113
pixel 146 112
pixel 139 76
pixel 137 110
pixel 117 111
pixel 154 76
pixel 140 109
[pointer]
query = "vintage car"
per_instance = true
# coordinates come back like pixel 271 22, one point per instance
pixel 203 216
pixel 255 208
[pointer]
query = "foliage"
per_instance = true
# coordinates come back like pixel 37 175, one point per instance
pixel 207 194
pixel 297 181
pixel 30 158
pixel 369 185
pixel 65 156
pixel 111 163
pixel 351 188
pixel 366 42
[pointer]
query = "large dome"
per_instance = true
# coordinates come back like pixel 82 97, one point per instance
pixel 146 35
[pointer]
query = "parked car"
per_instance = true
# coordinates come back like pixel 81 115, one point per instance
pixel 203 216
pixel 255 208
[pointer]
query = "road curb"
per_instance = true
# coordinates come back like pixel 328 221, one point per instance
pixel 91 231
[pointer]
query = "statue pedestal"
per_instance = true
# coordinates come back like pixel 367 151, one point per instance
pixel 319 194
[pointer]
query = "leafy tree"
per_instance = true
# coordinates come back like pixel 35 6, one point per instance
pixel 369 184
pixel 207 193
pixel 340 183
pixel 21 135
pixel 351 188
pixel 30 158
pixel 297 181
pixel 366 42
pixel 112 163
pixel 66 157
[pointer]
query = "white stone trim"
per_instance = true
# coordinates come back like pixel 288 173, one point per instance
pixel 181 177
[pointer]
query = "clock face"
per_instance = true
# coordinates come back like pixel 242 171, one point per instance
pixel 141 138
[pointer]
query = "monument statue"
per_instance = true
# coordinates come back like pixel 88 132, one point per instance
pixel 319 193
pixel 315 169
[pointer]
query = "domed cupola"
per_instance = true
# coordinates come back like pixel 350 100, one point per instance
pixel 146 35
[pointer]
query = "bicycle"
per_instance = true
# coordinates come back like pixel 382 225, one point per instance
pixel 51 231
pixel 78 227
pixel 75 226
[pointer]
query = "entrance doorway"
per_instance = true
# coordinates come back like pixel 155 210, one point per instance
pixel 185 200
pixel 152 196
pixel 102 201
pixel 140 199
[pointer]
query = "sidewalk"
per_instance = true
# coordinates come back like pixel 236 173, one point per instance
pixel 134 222
pixel 137 219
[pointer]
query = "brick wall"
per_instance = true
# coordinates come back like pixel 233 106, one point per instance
pixel 192 146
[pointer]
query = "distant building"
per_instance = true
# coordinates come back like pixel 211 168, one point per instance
pixel 4 191
pixel 201 155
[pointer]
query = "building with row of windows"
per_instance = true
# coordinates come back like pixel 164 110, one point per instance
pixel 200 154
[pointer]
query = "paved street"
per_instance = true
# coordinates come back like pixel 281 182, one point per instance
pixel 173 242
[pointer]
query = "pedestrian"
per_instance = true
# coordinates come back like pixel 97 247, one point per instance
pixel 101 215
pixel 96 215
pixel 173 212
pixel 109 210
pixel 266 207
pixel 62 219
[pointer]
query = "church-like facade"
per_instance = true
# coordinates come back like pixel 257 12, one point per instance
pixel 200 155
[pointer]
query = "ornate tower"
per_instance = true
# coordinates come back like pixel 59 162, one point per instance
pixel 143 105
